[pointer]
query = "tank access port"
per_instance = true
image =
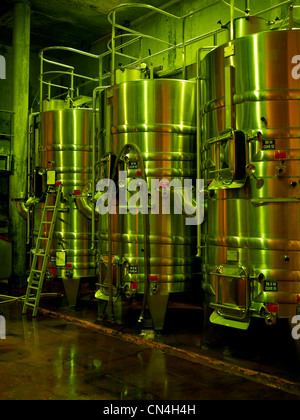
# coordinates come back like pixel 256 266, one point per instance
pixel 280 169
pixel 51 274
pixel 271 314
pixel 154 284
pixel 67 272
pixel 130 289
pixel 130 283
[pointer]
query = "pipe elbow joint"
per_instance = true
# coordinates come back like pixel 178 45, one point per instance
pixel 22 207
pixel 84 206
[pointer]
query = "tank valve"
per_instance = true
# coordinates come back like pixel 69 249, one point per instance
pixel 250 170
pixel 264 120
pixel 68 274
pixel 293 184
pixel 129 293
pixel 271 314
pixel 270 319
pixel 154 289
pixel 51 274
pixel 280 170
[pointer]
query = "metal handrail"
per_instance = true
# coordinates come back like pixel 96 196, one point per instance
pixel 70 88
pixel 273 7
pixel 113 49
pixel 6 112
pixel 112 20
pixel 182 45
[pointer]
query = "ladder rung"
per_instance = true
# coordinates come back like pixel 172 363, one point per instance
pixel 47 223
pixel 30 304
pixel 33 287
pixel 39 255
pixel 49 207
pixel 41 237
pixel 36 271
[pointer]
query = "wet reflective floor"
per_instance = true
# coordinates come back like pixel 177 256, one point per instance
pixel 53 358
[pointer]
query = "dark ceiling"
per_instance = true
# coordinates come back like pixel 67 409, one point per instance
pixel 72 23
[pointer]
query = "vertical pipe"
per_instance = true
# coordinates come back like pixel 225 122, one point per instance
pixel 199 105
pixel 100 71
pixel 113 42
pixel 41 80
pixel 95 146
pixel 183 50
pixel 291 17
pixel 110 261
pixel 140 52
pixel 247 6
pixel 198 110
pixel 29 134
pixel 231 20
pixel 94 138
pixel 72 84
pixel 18 178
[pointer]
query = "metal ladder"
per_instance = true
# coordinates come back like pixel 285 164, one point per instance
pixel 36 277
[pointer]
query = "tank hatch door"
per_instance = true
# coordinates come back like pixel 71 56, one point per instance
pixel 232 296
pixel 230 160
pixel 215 318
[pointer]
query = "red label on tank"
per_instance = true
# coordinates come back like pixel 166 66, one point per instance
pixel 280 154
pixel 272 307
pixel 134 285
pixel 154 278
pixel 53 271
pixel 77 192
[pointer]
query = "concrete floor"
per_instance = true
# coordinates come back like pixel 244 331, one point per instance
pixel 67 358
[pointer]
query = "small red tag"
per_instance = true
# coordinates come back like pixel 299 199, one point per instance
pixel 154 277
pixel 280 154
pixel 272 307
pixel 134 285
pixel 69 265
pixel 77 192
pixel 53 271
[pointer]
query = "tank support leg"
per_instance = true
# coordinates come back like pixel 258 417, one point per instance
pixel 208 327
pixel 71 287
pixel 102 304
pixel 158 306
